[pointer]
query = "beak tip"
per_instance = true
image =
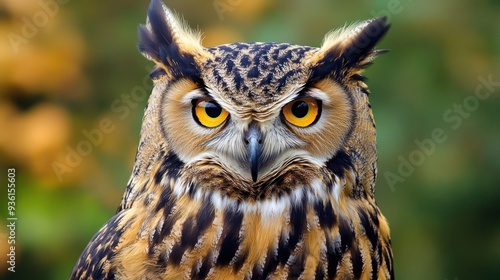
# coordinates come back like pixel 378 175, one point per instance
pixel 254 176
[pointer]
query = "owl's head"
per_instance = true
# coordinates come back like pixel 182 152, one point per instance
pixel 251 114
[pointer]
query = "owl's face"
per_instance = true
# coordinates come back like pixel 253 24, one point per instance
pixel 253 110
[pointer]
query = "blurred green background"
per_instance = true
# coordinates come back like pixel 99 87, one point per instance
pixel 65 66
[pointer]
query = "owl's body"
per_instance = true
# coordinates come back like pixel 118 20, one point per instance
pixel 256 161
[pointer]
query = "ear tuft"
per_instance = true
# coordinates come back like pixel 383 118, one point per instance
pixel 168 41
pixel 347 51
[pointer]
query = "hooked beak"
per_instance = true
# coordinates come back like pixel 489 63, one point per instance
pixel 253 141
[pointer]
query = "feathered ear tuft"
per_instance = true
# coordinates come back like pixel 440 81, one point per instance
pixel 168 42
pixel 347 51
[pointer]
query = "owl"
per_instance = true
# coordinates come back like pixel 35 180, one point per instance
pixel 255 161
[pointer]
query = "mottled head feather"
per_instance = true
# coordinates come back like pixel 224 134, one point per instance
pixel 256 76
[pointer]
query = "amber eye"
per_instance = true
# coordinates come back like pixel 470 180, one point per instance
pixel 302 112
pixel 208 113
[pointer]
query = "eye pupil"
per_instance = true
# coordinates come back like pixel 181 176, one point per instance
pixel 212 109
pixel 300 109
